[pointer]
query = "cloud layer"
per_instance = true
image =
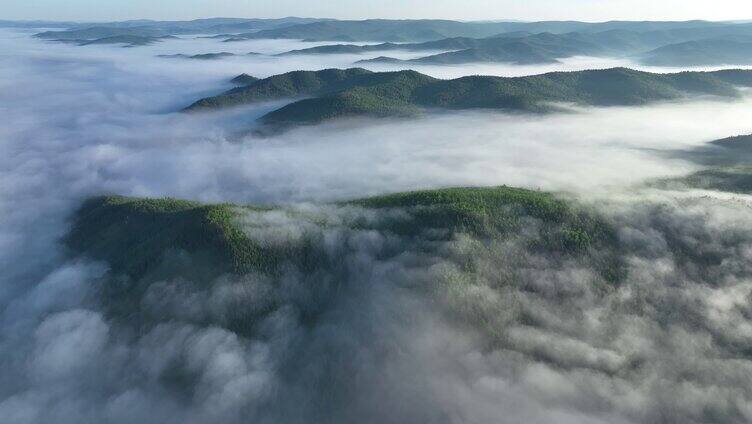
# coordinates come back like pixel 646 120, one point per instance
pixel 670 344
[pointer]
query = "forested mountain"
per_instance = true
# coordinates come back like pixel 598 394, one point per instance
pixel 136 236
pixel 335 93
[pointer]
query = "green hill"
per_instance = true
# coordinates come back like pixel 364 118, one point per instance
pixel 357 92
pixel 169 248
pixel 288 85
pixel 163 238
pixel 133 235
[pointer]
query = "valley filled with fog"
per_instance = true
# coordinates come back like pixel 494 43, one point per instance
pixel 380 333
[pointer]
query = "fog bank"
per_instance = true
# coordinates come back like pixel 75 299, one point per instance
pixel 389 344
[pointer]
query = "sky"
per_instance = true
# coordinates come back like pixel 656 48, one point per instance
pixel 586 10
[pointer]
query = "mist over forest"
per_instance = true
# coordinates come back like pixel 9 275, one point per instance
pixel 554 227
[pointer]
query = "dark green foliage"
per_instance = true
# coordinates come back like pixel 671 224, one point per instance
pixel 355 102
pixel 496 212
pixel 138 236
pixel 156 246
pixel 380 95
pixel 357 92
pixel 291 84
pixel 132 234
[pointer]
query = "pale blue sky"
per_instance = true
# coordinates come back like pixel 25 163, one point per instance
pixel 591 10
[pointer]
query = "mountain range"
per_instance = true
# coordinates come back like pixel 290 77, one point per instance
pixel 687 43
pixel 663 48
pixel 319 96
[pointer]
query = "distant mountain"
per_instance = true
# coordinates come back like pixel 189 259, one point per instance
pixel 699 53
pixel 36 24
pixel 525 48
pixel 731 178
pixel 127 40
pixel 427 30
pixel 289 85
pixel 381 30
pixel 380 59
pixel 729 162
pixel 538 48
pixel 730 151
pixel 97 32
pixel 459 42
pixel 202 56
pixel 148 28
pixel 335 93
pixel 567 44
pixel 431 30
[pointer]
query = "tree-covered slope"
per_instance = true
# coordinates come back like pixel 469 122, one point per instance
pixel 288 85
pixel 729 166
pixel 161 238
pixel 357 92
pixel 133 235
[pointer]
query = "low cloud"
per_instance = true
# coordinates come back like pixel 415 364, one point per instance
pixel 669 344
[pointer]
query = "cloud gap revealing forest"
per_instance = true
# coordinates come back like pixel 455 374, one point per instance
pixel 320 220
